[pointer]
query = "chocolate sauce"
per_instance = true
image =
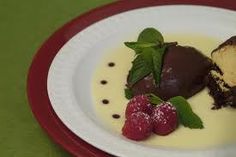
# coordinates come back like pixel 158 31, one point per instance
pixel 103 82
pixel 111 64
pixel 105 101
pixel 184 74
pixel 116 116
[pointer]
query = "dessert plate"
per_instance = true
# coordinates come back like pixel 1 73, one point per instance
pixel 60 76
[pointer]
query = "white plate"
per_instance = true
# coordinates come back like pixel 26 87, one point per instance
pixel 70 75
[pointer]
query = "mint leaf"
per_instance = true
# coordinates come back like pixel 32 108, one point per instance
pixel 186 115
pixel 141 66
pixel 139 46
pixel 128 93
pixel 150 50
pixel 151 35
pixel 154 99
pixel 157 64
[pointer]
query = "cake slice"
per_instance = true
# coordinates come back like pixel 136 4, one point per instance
pixel 222 77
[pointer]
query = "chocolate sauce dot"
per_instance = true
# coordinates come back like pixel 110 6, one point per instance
pixel 116 116
pixel 103 82
pixel 111 64
pixel 105 101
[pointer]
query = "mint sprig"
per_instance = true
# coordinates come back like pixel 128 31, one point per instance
pixel 149 50
pixel 155 100
pixel 185 113
pixel 151 35
pixel 142 66
pixel 157 59
pixel 139 46
pixel 128 93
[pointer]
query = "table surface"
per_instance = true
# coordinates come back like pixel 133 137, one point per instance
pixel 24 26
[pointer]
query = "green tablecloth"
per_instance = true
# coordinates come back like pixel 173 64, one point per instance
pixel 24 26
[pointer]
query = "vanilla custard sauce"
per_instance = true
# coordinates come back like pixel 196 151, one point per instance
pixel 109 100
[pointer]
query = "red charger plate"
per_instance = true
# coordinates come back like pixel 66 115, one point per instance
pixel 38 72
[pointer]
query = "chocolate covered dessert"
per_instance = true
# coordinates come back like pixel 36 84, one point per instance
pixel 222 78
pixel 184 72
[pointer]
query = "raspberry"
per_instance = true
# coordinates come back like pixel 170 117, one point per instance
pixel 138 103
pixel 165 119
pixel 138 126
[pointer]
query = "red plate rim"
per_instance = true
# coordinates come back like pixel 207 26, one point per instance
pixel 38 71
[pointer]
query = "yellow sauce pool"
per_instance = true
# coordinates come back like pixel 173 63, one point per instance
pixel 219 125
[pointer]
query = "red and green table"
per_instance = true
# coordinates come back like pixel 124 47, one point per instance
pixel 24 26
